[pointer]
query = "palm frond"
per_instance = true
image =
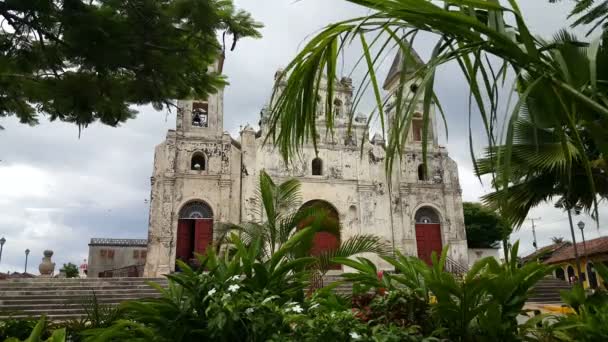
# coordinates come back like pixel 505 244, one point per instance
pixel 355 245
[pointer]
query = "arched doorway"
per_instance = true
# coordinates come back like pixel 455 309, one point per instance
pixel 194 230
pixel 323 241
pixel 560 274
pixel 428 233
pixel 570 274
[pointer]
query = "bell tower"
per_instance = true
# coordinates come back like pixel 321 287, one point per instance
pixel 202 117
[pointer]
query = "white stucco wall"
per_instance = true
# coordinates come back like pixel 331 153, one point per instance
pixel 476 254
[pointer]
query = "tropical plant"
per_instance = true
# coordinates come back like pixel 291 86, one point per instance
pixel 557 239
pixel 81 61
pixel 37 333
pixel 281 215
pixel 482 306
pixel 541 169
pixel 219 294
pixel 561 83
pixel 589 322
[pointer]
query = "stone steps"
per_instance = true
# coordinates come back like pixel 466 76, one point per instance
pixel 548 290
pixel 62 299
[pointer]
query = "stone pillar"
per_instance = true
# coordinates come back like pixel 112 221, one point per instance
pixel 161 233
pixel 248 172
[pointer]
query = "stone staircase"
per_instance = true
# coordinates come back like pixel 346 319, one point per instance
pixel 62 299
pixel 547 291
pixel 342 289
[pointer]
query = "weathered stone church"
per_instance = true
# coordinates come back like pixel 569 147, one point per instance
pixel 202 175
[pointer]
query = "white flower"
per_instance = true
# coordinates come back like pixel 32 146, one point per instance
pixel 296 308
pixel 234 278
pixel 195 312
pixel 233 288
pixel 226 296
pixel 269 299
pixel 313 306
pixel 249 311
pixel 211 292
pixel 354 335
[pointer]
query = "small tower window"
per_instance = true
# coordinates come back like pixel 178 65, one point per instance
pixel 200 114
pixel 337 107
pixel 417 127
pixel 317 167
pixel 422 174
pixel 198 162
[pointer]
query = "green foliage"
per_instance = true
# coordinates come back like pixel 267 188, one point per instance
pixel 485 228
pixel 233 297
pixel 81 61
pixel 38 332
pixel 70 270
pixel 97 315
pixel 17 328
pixel 482 306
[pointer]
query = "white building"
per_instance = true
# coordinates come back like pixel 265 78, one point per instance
pixel 202 175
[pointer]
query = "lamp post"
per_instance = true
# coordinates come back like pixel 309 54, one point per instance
pixel 581 226
pixel 2 241
pixel 27 252
pixel 578 260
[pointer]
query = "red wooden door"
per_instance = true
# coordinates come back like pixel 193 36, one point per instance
pixel 325 241
pixel 428 240
pixel 183 249
pixel 203 235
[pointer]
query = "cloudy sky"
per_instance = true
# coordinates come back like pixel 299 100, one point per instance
pixel 57 190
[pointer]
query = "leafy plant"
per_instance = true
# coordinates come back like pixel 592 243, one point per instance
pixel 564 79
pixel 589 322
pixel 483 305
pixel 70 270
pixel 38 332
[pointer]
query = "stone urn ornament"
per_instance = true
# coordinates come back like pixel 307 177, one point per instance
pixel 47 267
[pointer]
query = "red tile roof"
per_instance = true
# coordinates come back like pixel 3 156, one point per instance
pixel 594 247
pixel 546 252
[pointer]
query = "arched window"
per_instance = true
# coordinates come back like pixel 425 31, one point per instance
pixel 196 210
pixel 427 215
pixel 422 172
pixel 198 162
pixel 317 167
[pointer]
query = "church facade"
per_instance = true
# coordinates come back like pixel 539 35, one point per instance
pixel 203 176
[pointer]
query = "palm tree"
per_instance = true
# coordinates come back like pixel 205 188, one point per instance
pixel 474 34
pixel 281 215
pixel 557 239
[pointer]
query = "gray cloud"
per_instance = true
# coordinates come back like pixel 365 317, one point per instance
pixel 57 191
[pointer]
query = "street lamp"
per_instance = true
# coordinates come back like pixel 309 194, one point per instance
pixel 578 260
pixel 581 226
pixel 2 241
pixel 27 252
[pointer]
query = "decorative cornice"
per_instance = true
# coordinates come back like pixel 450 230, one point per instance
pixel 119 242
